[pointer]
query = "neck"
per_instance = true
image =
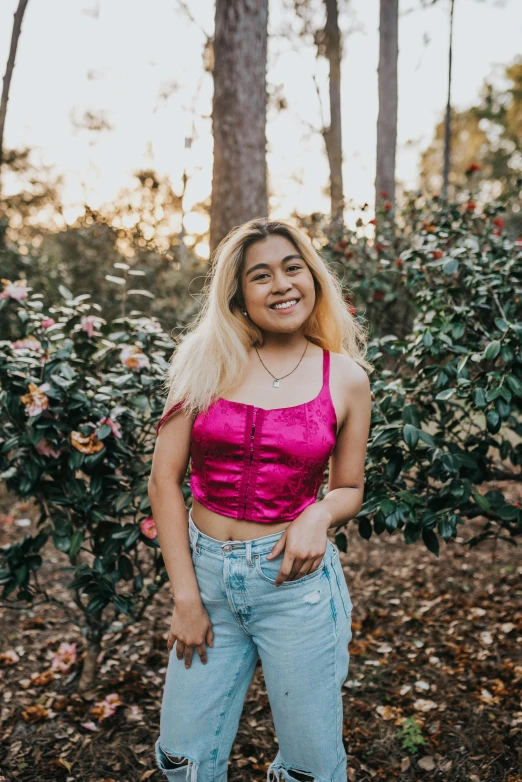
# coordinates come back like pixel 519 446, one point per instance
pixel 283 343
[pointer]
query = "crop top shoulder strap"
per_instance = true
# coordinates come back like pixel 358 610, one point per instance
pixel 167 414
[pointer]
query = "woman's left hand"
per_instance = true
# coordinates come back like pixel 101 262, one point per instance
pixel 304 542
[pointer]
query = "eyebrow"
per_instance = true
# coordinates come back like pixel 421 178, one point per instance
pixel 267 266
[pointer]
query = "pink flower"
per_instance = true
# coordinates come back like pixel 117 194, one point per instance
pixel 46 448
pixel 133 357
pixel 46 322
pixel 9 658
pixel 105 708
pixel 16 290
pixel 35 400
pixel 115 426
pixel 89 725
pixel 24 346
pixel 88 324
pixel 148 528
pixel 64 657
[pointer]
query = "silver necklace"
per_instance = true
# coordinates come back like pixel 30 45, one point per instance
pixel 277 379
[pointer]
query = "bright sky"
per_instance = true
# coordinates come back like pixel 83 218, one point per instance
pixel 118 56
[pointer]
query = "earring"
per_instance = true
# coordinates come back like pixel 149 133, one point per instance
pixel 244 312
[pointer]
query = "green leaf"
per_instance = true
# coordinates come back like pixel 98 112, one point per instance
pixel 514 384
pixel 451 266
pixel 493 421
pixel 431 541
pixel 446 394
pixel 385 437
pixel 365 528
pixel 76 543
pixel 501 324
pixel 492 350
pixel 479 397
pixel 427 339
pixel 447 527
pixel 411 436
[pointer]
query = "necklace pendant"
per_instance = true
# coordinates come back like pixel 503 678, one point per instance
pixel 276 383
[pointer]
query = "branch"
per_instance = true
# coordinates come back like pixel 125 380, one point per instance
pixel 17 26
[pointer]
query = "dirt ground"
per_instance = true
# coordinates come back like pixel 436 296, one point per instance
pixel 434 689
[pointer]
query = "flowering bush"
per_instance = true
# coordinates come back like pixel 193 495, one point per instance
pixel 79 404
pixel 448 388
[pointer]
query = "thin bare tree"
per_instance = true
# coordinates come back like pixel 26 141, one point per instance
pixel 15 35
pixel 333 134
pixel 388 100
pixel 447 122
pixel 239 180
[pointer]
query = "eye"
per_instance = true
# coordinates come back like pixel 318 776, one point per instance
pixel 265 274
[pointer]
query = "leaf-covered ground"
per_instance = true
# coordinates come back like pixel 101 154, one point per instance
pixel 434 690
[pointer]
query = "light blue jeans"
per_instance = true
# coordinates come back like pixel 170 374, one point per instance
pixel 301 631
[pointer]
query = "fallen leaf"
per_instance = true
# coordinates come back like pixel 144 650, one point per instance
pixel 427 763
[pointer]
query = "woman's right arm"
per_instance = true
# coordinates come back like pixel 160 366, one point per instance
pixel 190 627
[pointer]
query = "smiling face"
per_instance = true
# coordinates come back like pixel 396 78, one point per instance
pixel 274 272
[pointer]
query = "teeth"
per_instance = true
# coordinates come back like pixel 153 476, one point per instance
pixel 285 305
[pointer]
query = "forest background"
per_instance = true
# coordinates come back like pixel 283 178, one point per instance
pixel 130 143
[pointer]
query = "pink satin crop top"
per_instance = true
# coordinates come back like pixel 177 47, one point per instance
pixel 261 465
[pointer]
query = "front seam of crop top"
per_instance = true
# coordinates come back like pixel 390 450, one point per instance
pixel 257 464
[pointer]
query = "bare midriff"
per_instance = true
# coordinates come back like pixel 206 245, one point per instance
pixel 226 528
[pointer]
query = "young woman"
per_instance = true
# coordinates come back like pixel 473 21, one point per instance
pixel 270 384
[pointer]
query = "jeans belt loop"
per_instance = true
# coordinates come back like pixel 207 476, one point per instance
pixel 249 553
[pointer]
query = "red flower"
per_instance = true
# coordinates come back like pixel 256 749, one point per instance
pixel 339 247
pixel 373 222
pixel 383 194
pixel 399 262
pixel 496 232
pixel 378 295
pixel 471 206
pixel 437 253
pixel 472 167
pixel 499 222
pixel 378 247
pixel 387 206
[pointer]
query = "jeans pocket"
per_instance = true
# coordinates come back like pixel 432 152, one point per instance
pixel 269 568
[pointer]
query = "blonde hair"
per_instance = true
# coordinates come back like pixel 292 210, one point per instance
pixel 212 356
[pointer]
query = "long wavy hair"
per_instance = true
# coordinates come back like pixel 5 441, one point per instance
pixel 213 354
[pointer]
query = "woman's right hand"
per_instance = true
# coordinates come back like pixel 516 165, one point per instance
pixel 190 629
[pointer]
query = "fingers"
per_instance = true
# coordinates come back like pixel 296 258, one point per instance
pixel 279 546
pixel 185 651
pixel 296 569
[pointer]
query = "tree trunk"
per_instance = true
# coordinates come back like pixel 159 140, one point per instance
pixel 387 118
pixel 333 134
pixel 93 648
pixel 239 181
pixel 447 123
pixel 17 26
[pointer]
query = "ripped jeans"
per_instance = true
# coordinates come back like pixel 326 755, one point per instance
pixel 301 631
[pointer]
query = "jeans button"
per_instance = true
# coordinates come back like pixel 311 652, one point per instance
pixel 227 548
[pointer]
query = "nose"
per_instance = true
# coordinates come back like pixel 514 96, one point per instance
pixel 281 284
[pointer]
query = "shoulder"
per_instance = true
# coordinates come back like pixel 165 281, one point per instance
pixel 348 382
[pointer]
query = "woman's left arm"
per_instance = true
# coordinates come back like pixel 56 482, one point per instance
pixel 346 477
pixel 304 540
